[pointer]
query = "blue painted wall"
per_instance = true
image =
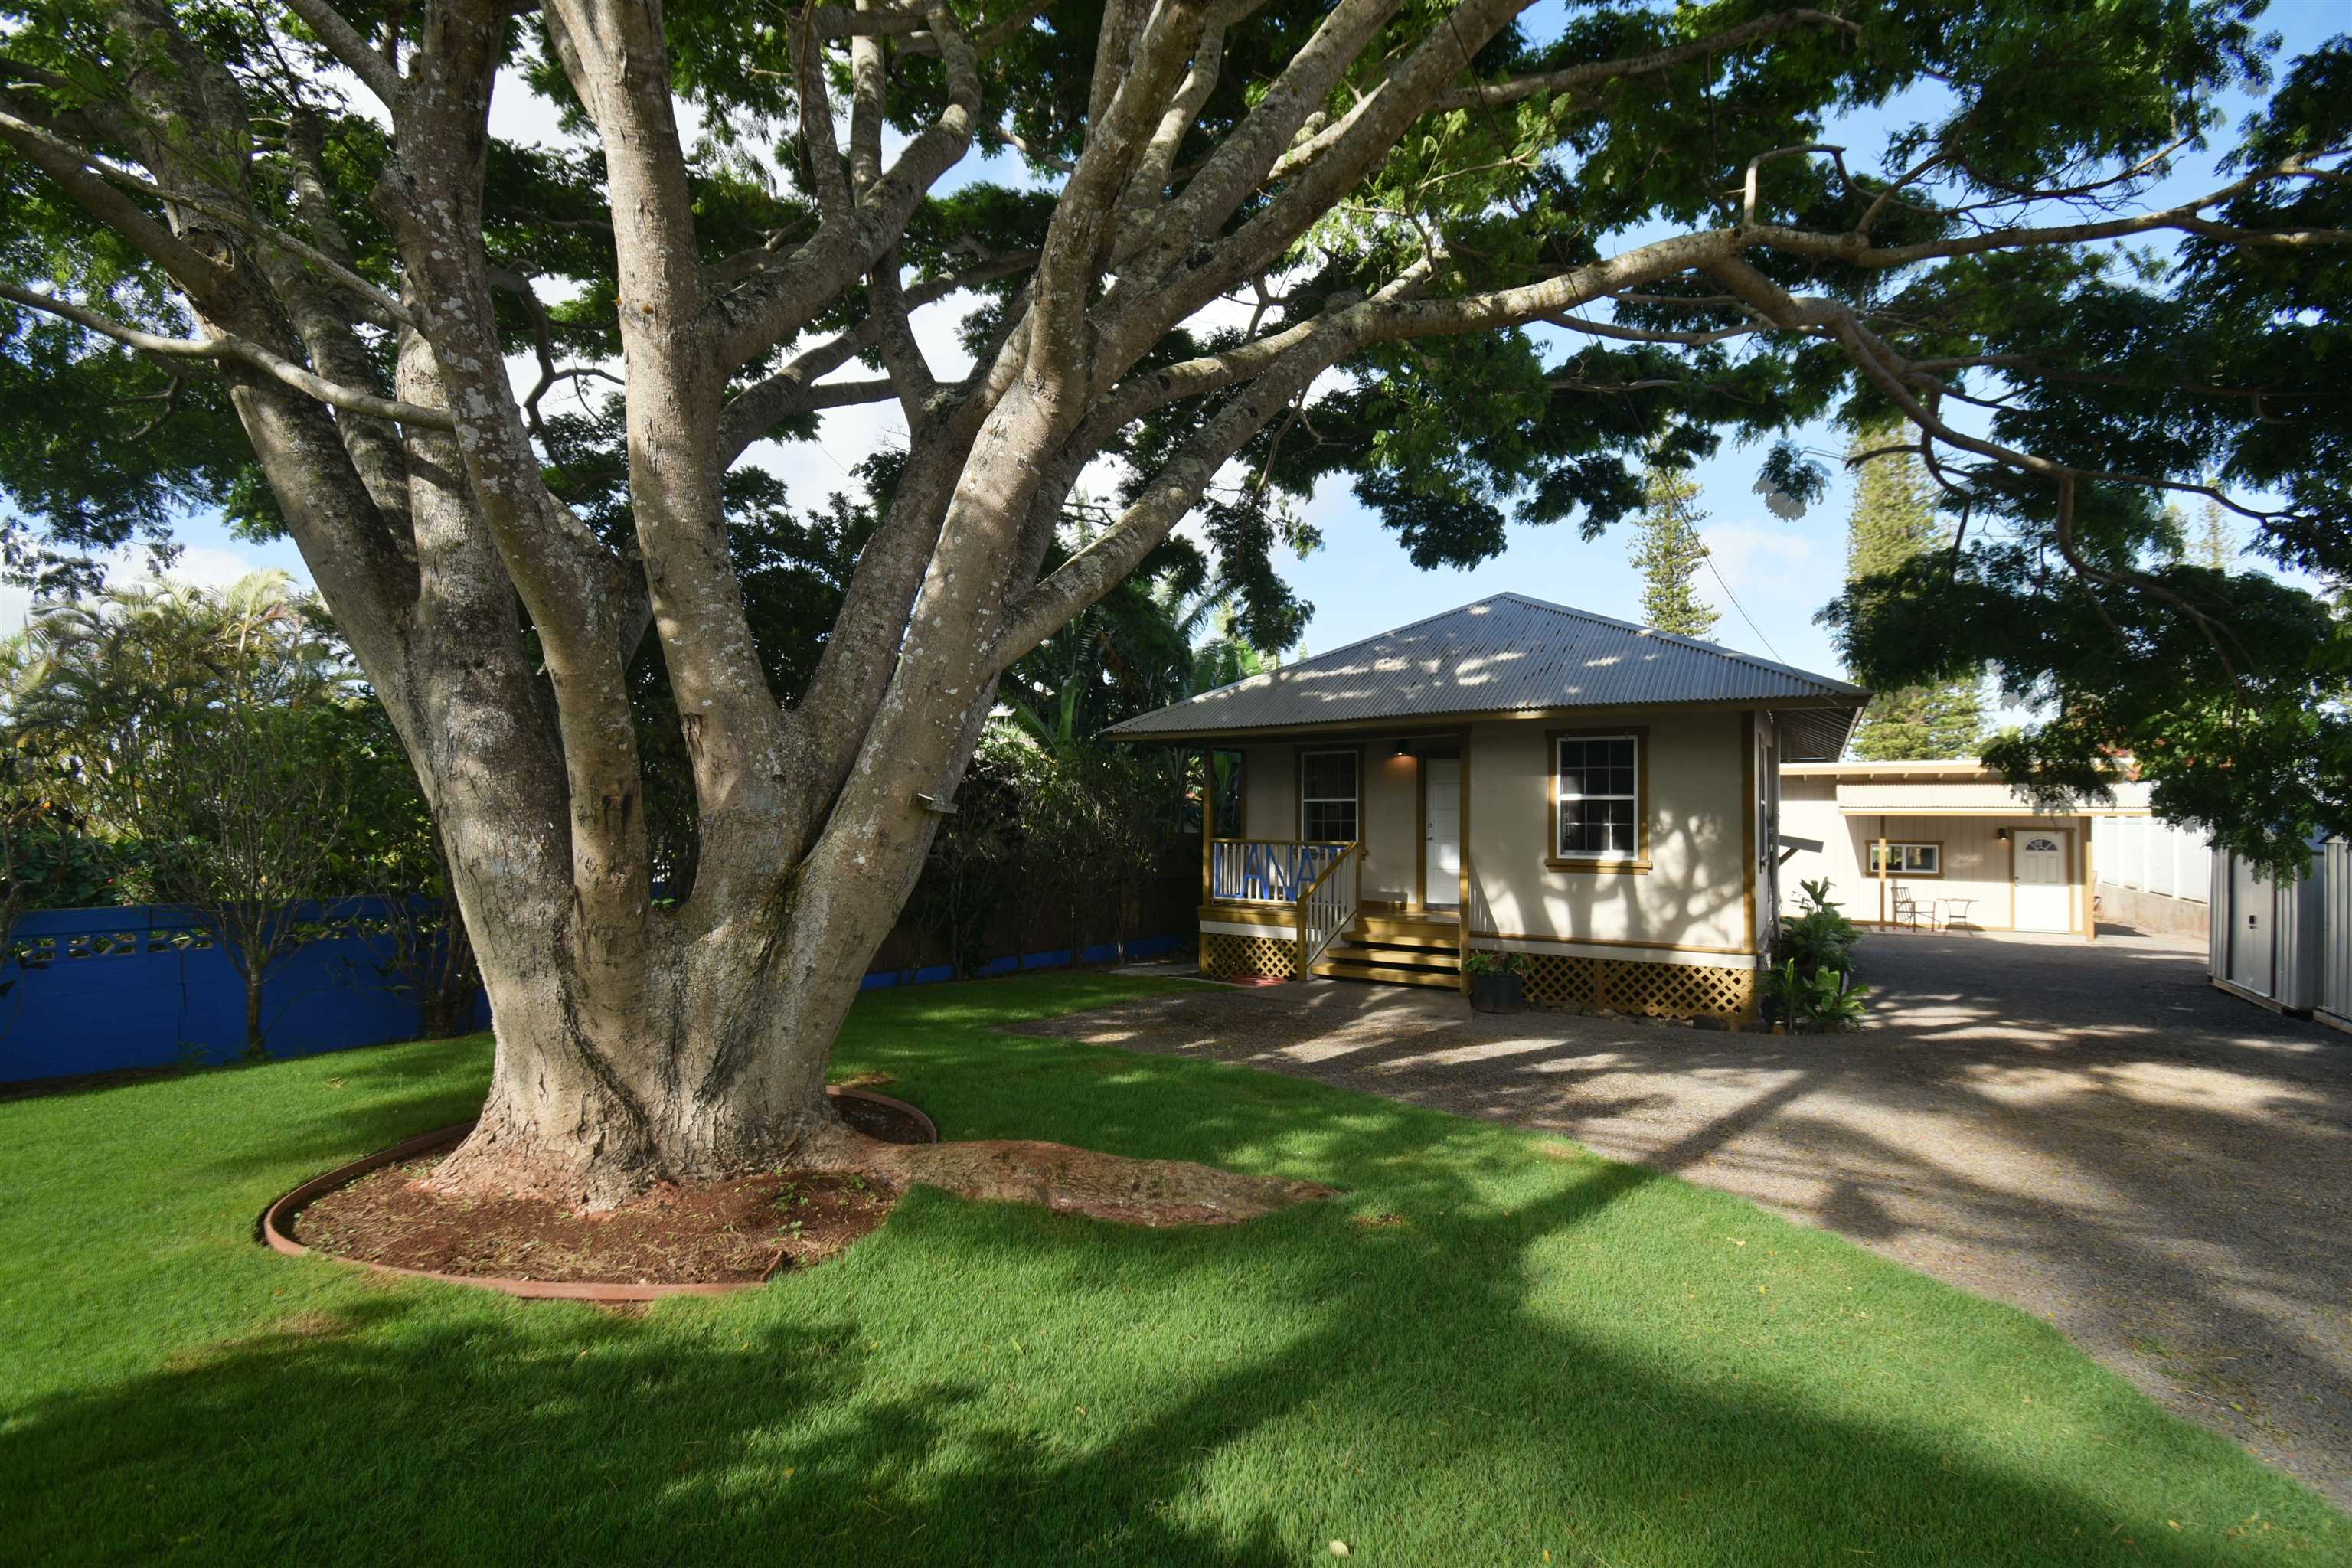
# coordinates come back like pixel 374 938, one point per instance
pixel 138 987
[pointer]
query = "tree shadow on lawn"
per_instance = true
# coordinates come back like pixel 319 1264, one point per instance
pixel 1477 1355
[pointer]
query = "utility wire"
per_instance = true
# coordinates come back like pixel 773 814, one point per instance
pixel 1709 559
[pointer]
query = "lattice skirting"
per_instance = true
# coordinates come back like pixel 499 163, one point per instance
pixel 1629 986
pixel 1225 956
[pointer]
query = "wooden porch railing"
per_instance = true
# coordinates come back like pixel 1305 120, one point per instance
pixel 1267 870
pixel 1328 907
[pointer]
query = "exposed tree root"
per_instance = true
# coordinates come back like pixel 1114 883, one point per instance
pixel 495 1163
pixel 1077 1181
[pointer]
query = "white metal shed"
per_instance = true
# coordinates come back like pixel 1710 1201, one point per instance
pixel 2335 1003
pixel 2268 937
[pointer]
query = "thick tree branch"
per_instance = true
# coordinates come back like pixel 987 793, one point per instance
pixel 794 390
pixel 22 132
pixel 1579 81
pixel 225 346
pixel 781 299
pixel 192 268
pixel 343 41
pixel 1901 384
pixel 1116 140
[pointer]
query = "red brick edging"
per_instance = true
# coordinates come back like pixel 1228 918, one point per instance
pixel 276 1223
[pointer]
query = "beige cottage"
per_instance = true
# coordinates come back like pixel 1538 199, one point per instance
pixel 1935 846
pixel 1597 796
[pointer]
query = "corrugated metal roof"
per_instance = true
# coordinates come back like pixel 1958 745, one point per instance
pixel 1511 654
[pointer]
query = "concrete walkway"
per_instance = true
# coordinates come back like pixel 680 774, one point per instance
pixel 2090 1134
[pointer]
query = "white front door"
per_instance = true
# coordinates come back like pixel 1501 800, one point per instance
pixel 1441 828
pixel 2045 892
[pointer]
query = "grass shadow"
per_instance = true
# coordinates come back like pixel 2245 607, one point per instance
pixel 1493 1347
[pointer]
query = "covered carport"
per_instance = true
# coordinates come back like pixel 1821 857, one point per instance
pixel 1935 846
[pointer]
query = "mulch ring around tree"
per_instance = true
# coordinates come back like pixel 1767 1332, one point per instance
pixel 704 1239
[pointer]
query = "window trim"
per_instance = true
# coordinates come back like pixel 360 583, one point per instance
pixel 1299 788
pixel 1638 862
pixel 1870 852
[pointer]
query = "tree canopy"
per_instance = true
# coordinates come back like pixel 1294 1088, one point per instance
pixel 1205 254
pixel 1893 523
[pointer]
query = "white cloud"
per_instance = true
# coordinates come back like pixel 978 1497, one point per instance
pixel 1764 563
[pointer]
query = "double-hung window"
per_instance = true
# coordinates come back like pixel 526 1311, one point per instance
pixel 1597 797
pixel 1329 796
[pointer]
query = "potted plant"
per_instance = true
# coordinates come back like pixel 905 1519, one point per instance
pixel 1494 980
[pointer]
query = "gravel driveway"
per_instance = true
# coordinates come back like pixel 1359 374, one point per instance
pixel 2090 1134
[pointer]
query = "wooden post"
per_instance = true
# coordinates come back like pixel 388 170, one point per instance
pixel 1461 832
pixel 1208 825
pixel 2091 884
pixel 1882 870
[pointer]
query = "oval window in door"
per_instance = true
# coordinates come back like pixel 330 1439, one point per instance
pixel 2044 844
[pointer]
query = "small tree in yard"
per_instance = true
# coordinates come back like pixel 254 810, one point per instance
pixel 1480 263
pixel 240 827
pixel 202 726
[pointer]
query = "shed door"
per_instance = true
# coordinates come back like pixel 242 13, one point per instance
pixel 2250 936
pixel 1441 849
pixel 2044 890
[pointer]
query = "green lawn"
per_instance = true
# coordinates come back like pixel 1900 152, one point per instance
pixel 1541 1352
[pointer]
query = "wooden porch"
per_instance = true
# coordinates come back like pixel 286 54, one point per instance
pixel 1291 908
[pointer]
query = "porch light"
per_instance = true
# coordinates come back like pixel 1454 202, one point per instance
pixel 2001 833
pixel 1404 748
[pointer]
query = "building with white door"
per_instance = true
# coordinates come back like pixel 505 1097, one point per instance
pixel 1942 845
pixel 1595 796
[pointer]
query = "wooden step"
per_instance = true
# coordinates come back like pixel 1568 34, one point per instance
pixel 1328 970
pixel 1401 923
pixel 1349 952
pixel 1386 935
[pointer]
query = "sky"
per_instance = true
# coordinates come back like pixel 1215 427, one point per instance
pixel 1768 577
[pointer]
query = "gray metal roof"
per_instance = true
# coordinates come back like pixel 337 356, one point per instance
pixel 1513 653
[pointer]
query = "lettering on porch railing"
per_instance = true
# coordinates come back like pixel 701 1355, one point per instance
pixel 1267 870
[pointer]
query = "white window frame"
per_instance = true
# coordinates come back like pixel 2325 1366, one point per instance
pixel 1561 799
pixel 1355 799
pixel 1900 851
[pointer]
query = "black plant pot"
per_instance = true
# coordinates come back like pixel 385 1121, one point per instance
pixel 1496 993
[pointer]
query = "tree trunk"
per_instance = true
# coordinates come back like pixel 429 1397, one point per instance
pixel 253 1047
pixel 610 1077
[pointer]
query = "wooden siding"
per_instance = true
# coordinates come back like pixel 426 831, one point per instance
pixel 1695 894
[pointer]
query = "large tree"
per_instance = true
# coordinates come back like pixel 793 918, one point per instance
pixel 1667 552
pixel 1893 523
pixel 1248 244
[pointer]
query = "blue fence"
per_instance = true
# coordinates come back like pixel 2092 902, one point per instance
pixel 99 990
pixel 96 990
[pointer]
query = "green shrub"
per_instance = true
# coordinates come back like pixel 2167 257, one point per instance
pixel 1811 986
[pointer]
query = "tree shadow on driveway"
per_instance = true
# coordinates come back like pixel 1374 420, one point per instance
pixel 2090 1134
pixel 1420 1389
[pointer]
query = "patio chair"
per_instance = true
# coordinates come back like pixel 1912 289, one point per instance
pixel 1908 911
